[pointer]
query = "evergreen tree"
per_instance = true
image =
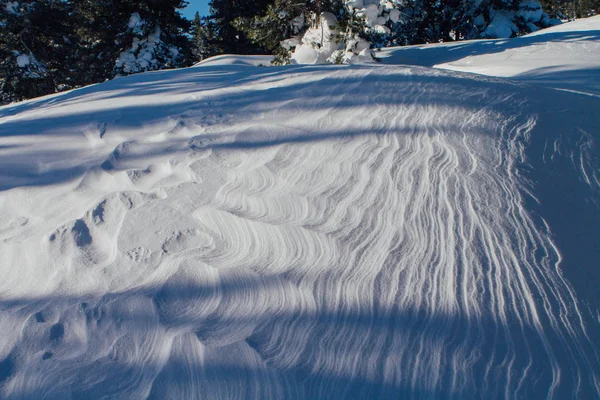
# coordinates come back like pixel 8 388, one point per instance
pixel 35 49
pixel 226 35
pixel 430 28
pixel 587 8
pixel 571 9
pixel 203 34
pixel 98 24
pixel 285 19
pixel 153 36
pixel 120 37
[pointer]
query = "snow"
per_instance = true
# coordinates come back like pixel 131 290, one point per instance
pixel 318 43
pixel 530 11
pixel 394 15
pixel 12 7
pixel 135 21
pixel 565 56
pixel 357 52
pixel 376 13
pixel 231 59
pixel 23 60
pixel 321 45
pixel 371 13
pixel 382 29
pixel 479 21
pixel 141 56
pixel 502 25
pixel 355 4
pixel 298 23
pixel 309 231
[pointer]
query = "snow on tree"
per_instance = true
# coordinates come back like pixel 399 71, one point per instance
pixel 148 51
pixel 431 21
pixel 120 37
pixel 507 19
pixel 321 44
pixel 52 45
pixel 310 31
pixel 153 37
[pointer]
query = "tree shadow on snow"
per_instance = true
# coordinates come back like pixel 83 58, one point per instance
pixel 334 353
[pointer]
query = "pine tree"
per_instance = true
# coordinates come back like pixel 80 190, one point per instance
pixel 285 19
pixel 587 8
pixel 203 35
pixel 35 49
pixel 120 37
pixel 154 36
pixel 98 23
pixel 228 38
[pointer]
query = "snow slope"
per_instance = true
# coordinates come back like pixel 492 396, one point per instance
pixel 565 57
pixel 231 231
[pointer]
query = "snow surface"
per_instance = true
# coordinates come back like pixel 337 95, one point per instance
pixel 311 232
pixel 566 56
pixel 231 59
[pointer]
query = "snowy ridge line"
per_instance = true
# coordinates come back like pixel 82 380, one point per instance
pixel 370 234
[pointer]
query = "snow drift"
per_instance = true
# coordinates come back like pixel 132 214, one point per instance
pixel 232 231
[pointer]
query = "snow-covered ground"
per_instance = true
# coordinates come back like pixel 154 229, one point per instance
pixel 233 231
pixel 565 57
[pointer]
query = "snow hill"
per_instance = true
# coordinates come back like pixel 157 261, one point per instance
pixel 385 231
pixel 563 57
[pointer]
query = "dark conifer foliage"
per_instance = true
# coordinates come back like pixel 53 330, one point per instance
pixel 227 37
pixel 204 32
pixel 52 45
pixel 98 25
pixel 570 9
pixel 35 49
pixel 150 33
pixel 284 19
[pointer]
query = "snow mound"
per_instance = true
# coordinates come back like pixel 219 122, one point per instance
pixel 229 231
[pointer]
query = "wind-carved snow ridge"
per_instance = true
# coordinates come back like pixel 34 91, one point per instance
pixel 362 232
